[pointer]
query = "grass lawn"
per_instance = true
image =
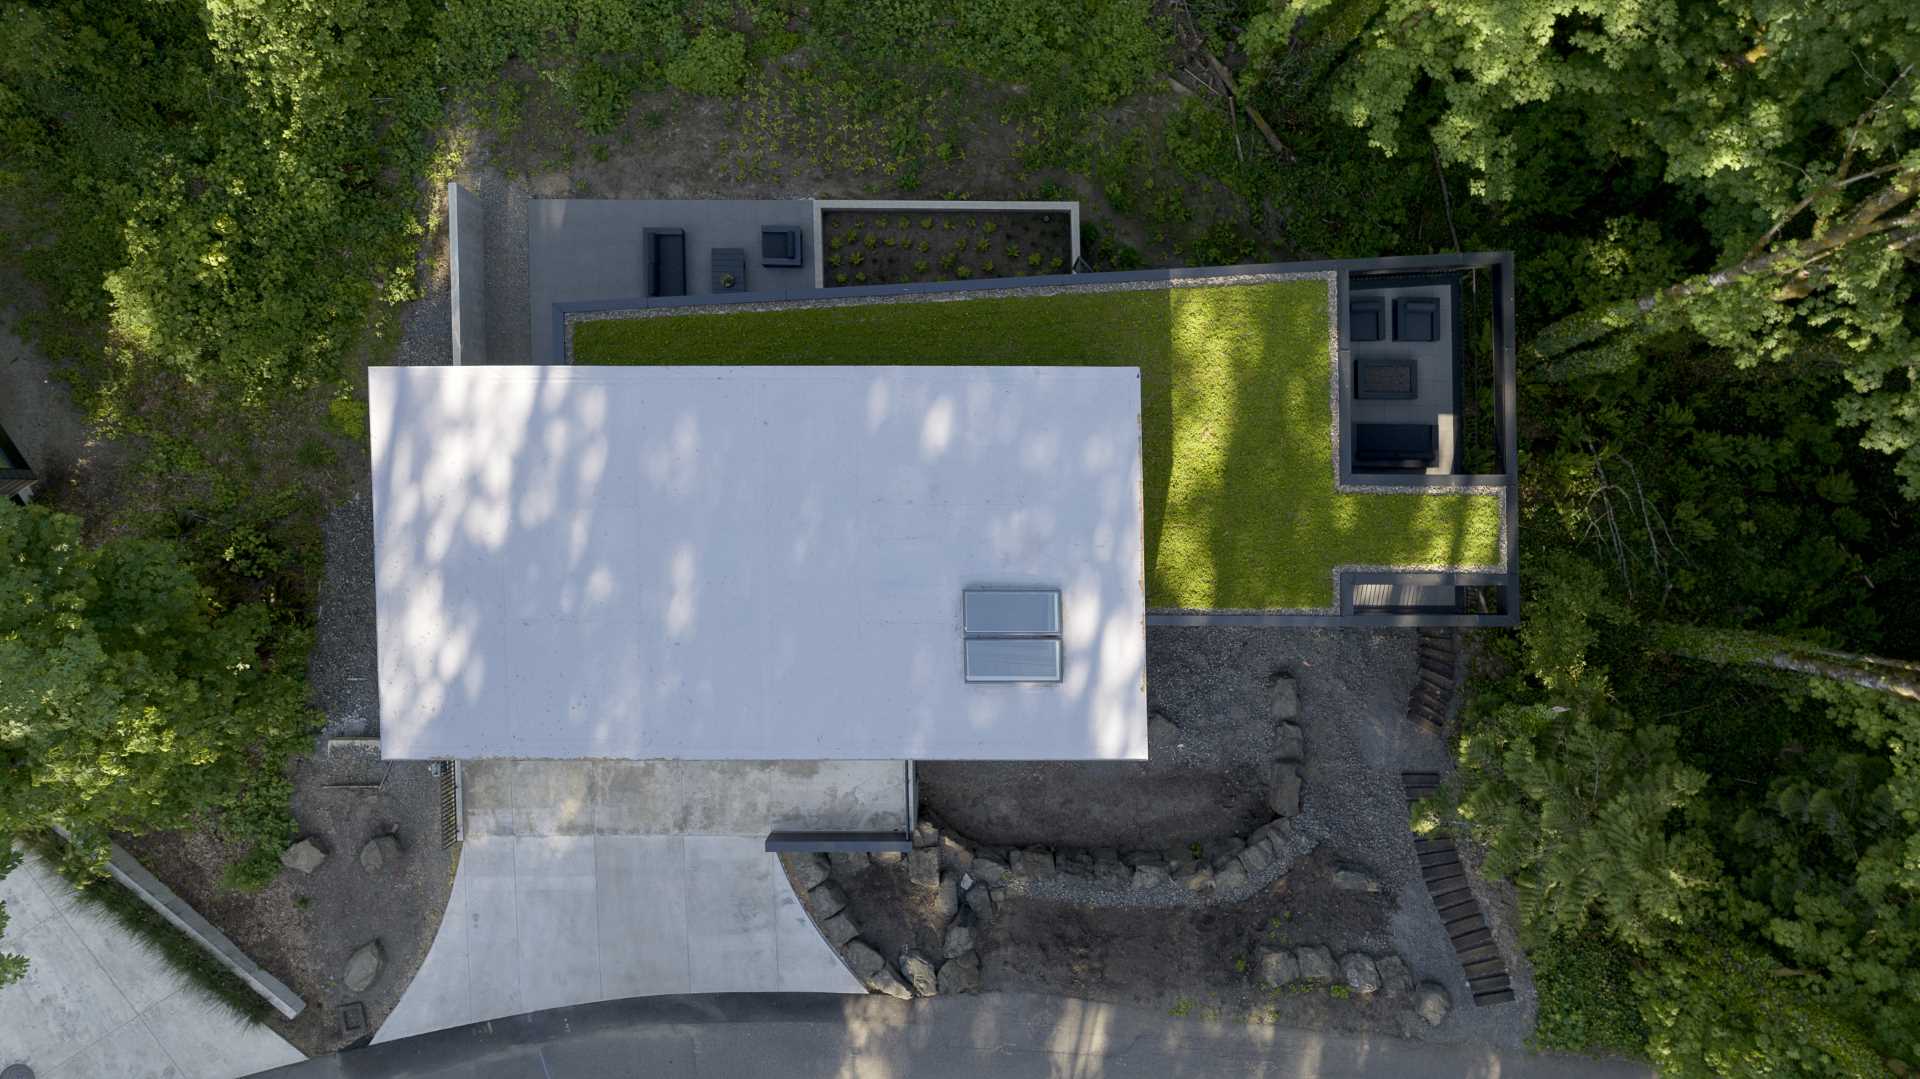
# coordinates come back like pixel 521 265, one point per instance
pixel 1241 510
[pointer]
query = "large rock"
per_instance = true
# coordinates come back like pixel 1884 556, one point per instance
pixel 1109 870
pixel 1289 744
pixel 991 871
pixel 380 852
pixel 1276 966
pixel 839 929
pixel 925 835
pixel 847 863
pixel 1201 879
pixel 1230 878
pixel 959 941
pixel 1258 856
pixel 923 867
pixel 1431 1002
pixel 1360 973
pixel 885 857
pixel 874 973
pixel 1150 876
pixel 889 983
pixel 1033 863
pixel 363 967
pixel 919 973
pixel 960 974
pixel 1283 789
pixel 1394 975
pixel 980 902
pixel 1315 962
pixel 947 897
pixel 1283 698
pixel 954 855
pixel 824 901
pixel 303 857
pixel 809 869
pixel 1353 878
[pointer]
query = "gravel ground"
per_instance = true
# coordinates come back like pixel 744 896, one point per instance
pixel 343 670
pixel 1212 682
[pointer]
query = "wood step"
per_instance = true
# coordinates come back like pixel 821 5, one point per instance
pixel 1503 996
pixel 1438 857
pixel 1452 896
pixel 1427 845
pixel 1440 873
pixel 1481 954
pixel 1489 983
pixel 1468 941
pixel 1461 909
pixel 1439 668
pixel 1431 779
pixel 1485 967
pixel 1466 923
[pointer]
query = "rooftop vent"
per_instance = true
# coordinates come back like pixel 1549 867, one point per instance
pixel 1012 635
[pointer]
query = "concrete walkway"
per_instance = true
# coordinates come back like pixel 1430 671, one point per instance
pixel 1006 1036
pixel 586 881
pixel 98 1001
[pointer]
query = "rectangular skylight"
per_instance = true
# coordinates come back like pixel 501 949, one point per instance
pixel 1011 613
pixel 1013 659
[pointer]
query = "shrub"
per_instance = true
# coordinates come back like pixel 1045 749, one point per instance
pixel 713 63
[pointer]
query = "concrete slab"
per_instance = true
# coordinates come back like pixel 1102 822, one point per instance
pixel 637 900
pixel 556 893
pixel 98 1001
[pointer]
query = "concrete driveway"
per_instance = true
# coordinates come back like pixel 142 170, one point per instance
pixel 98 1001
pixel 584 881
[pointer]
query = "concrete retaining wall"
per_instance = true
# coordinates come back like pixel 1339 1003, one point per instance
pixel 465 249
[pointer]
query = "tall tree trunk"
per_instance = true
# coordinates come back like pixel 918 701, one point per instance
pixel 1743 647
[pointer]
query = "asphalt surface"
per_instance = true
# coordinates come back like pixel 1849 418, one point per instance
pixel 1001 1035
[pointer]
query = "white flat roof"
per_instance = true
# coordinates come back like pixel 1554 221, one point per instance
pixel 751 562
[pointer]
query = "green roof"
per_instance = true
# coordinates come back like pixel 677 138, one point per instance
pixel 1236 413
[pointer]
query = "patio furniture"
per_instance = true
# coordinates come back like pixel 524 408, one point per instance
pixel 1395 447
pixel 1416 318
pixel 1385 378
pixel 664 254
pixel 780 246
pixel 1365 319
pixel 729 269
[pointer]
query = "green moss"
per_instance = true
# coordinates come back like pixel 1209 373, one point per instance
pixel 1241 510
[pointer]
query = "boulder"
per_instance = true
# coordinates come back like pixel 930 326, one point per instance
pixel 1431 1002
pixel 980 902
pixel 1353 878
pixel 1276 966
pixel 959 941
pixel 847 863
pixel 886 981
pixel 303 857
pixel 918 970
pixel 1315 962
pixel 1137 858
pixel 885 857
pixel 1112 872
pixel 839 929
pixel 925 835
pixel 379 853
pixel 1283 789
pixel 1231 878
pixel 1394 975
pixel 947 896
pixel 923 867
pixel 1360 973
pixel 363 967
pixel 990 871
pixel 1258 856
pixel 1200 880
pixel 960 974
pixel 1283 698
pixel 1150 876
pixel 1289 745
pixel 808 870
pixel 1033 863
pixel 823 901
pixel 953 855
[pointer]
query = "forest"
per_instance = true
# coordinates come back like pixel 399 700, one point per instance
pixel 1695 758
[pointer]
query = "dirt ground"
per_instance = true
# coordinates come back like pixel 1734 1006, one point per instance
pixel 303 928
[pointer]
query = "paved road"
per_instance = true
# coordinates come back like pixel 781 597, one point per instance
pixel 1007 1036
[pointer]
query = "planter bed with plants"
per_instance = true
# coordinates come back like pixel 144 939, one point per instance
pixel 906 246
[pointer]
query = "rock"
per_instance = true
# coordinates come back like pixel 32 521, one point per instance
pixel 1258 856
pixel 886 981
pixel 1360 973
pixel 1274 832
pixel 303 857
pixel 947 898
pixel 823 901
pixel 380 852
pixel 1394 975
pixel 864 961
pixel 1150 876
pixel 1074 863
pixel 953 855
pixel 885 857
pixel 991 871
pixel 1113 874
pixel 1290 745
pixel 925 835
pixel 1163 738
pixel 1283 698
pixel 809 869
pixel 1221 851
pixel 1352 878
pixel 960 974
pixel 839 929
pixel 981 904
pixel 1231 878
pixel 363 967
pixel 923 867
pixel 1033 863
pixel 1283 789
pixel 959 941
pixel 1431 1002
pixel 1200 880
pixel 1137 858
pixel 847 863
pixel 1316 963
pixel 918 970
pixel 1276 966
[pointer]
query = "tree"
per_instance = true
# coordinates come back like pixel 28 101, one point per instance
pixel 1794 127
pixel 134 702
pixel 1735 646
pixel 13 967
